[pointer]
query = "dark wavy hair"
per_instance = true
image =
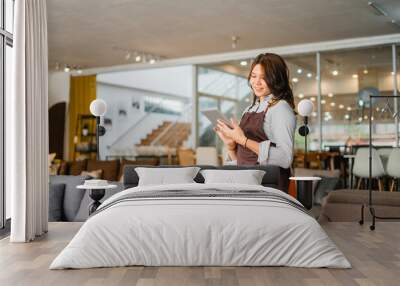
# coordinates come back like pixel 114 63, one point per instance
pixel 276 77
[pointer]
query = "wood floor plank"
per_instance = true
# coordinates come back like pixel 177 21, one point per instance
pixel 375 257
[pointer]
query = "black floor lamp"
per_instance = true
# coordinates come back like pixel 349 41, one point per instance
pixel 370 205
pixel 305 108
pixel 98 108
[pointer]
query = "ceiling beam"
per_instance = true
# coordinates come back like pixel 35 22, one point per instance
pixel 248 54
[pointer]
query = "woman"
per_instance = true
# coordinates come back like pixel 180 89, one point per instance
pixel 265 133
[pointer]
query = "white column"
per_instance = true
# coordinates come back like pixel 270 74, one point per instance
pixel 318 58
pixel 396 106
pixel 194 111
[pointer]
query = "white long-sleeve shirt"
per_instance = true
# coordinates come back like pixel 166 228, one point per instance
pixel 279 126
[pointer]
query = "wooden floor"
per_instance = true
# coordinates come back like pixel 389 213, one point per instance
pixel 375 257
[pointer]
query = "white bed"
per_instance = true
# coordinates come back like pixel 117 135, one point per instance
pixel 206 230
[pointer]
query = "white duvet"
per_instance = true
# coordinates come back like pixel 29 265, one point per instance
pixel 200 231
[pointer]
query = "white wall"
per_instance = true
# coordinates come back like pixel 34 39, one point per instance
pixel 171 80
pixel 120 137
pixel 59 83
pixel 119 89
pixel 58 87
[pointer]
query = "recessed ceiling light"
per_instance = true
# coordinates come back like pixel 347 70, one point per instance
pixel 152 61
pixel 314 114
pixel 243 63
pixel 335 72
pixel 347 116
pixel 323 101
pixel 341 106
pixel 365 71
pixel 312 98
pixel 392 73
pixel 235 40
pixel 372 118
pixel 299 71
pixel 332 104
pixel 348 108
pixel 301 95
pixel 330 94
pixel 67 69
pixel 138 58
pixel 355 75
pixel 309 75
pixel 295 79
pixel 365 117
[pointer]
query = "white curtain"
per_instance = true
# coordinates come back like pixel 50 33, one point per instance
pixel 27 123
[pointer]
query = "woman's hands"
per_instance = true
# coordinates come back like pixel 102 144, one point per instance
pixel 229 142
pixel 234 134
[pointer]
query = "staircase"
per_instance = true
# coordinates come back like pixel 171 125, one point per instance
pixel 168 134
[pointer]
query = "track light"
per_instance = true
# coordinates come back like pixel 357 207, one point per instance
pixel 234 41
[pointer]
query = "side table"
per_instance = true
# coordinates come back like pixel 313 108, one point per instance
pixel 96 193
pixel 304 188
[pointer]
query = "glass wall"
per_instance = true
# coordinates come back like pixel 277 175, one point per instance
pixel 303 78
pixel 347 78
pixel 220 88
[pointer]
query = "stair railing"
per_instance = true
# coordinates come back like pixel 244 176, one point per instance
pixel 135 124
pixel 181 118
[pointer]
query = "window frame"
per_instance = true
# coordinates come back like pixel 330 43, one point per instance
pixel 6 39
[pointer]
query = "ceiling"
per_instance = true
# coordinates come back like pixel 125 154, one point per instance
pixel 96 33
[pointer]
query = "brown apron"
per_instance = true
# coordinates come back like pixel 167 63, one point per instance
pixel 252 124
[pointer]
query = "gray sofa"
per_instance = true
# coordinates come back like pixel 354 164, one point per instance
pixel 345 205
pixel 67 203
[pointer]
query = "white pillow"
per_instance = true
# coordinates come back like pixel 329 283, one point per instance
pixel 249 177
pixel 166 176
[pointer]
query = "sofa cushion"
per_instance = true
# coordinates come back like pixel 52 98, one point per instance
pixel 76 167
pixel 361 197
pixel 325 186
pixel 83 212
pixel 110 168
pixel 56 200
pixel 63 170
pixel 96 174
pixel 72 195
